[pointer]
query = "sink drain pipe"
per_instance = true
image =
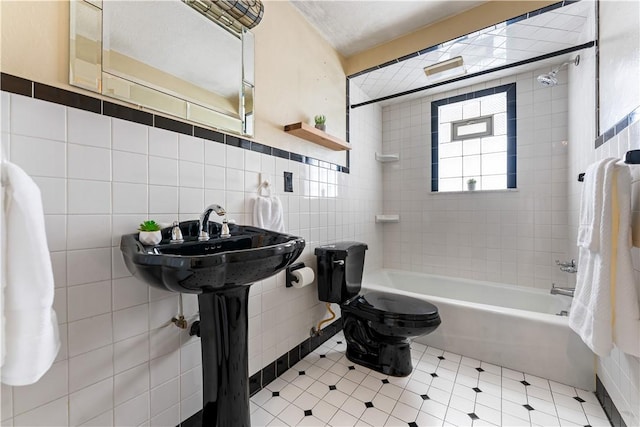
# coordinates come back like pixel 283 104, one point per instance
pixel 318 331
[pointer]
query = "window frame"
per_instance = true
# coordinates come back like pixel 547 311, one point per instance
pixel 510 90
pixel 455 126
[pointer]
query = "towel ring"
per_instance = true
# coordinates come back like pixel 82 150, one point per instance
pixel 265 185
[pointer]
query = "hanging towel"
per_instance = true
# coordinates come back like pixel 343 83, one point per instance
pixel 626 308
pixel 31 328
pixel 591 205
pixel 604 310
pixel 267 213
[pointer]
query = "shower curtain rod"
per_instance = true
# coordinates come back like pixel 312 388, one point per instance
pixel 480 73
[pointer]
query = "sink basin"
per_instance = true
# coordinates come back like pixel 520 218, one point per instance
pixel 248 255
pixel 220 271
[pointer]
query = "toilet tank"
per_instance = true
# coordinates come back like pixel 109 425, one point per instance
pixel 340 267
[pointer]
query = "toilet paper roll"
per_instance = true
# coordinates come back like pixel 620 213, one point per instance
pixel 304 277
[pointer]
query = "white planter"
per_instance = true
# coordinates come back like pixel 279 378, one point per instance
pixel 471 186
pixel 150 237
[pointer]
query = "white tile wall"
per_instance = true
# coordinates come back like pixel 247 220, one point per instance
pixel 122 361
pixel 511 237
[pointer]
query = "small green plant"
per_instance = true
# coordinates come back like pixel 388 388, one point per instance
pixel 471 181
pixel 320 119
pixel 149 226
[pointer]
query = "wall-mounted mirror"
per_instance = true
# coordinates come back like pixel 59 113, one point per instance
pixel 165 56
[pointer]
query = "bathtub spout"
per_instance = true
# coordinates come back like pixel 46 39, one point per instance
pixel 560 290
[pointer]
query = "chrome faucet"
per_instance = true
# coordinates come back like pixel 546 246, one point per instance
pixel 568 266
pixel 560 290
pixel 204 219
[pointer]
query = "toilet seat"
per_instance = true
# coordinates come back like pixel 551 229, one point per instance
pixel 394 309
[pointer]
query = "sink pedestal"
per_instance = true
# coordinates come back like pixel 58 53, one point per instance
pixel 225 371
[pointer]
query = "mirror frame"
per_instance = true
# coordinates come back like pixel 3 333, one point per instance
pixel 86 71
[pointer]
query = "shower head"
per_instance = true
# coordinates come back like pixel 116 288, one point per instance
pixel 550 79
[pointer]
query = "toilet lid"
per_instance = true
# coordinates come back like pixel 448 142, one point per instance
pixel 394 306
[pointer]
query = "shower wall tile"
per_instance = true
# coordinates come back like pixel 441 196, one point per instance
pixel 511 237
pixel 123 362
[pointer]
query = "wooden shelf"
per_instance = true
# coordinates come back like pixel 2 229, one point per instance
pixel 310 133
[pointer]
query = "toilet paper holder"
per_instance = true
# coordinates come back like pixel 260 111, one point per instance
pixel 291 277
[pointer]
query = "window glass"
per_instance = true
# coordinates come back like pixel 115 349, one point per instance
pixel 475 139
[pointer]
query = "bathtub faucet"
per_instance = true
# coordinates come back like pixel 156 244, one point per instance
pixel 560 290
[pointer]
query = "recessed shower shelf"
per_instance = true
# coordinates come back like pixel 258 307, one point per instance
pixel 387 218
pixel 387 158
pixel 304 131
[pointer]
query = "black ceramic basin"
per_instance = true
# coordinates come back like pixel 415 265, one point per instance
pixel 248 255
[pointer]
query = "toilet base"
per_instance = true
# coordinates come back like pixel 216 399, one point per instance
pixel 388 355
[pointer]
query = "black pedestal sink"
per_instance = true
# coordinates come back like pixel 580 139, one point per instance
pixel 220 271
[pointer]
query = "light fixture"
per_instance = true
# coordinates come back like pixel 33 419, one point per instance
pixel 450 68
pixel 236 14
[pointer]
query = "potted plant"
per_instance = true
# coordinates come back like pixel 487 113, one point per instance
pixel 150 233
pixel 320 122
pixel 471 184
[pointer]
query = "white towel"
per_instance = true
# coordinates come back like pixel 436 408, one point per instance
pixel 626 314
pixel 267 213
pixel 591 205
pixel 31 327
pixel 605 305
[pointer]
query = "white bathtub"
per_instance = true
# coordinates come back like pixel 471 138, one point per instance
pixel 512 326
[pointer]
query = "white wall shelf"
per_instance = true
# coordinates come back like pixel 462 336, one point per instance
pixel 386 158
pixel 387 218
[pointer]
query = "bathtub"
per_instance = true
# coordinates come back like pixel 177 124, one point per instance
pixel 511 326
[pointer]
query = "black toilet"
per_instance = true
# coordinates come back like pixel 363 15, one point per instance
pixel 377 325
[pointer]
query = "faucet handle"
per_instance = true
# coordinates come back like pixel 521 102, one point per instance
pixel 571 263
pixel 176 233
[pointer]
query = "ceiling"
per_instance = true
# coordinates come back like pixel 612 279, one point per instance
pixel 352 26
pixel 559 27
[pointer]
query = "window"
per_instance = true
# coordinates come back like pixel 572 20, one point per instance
pixel 473 136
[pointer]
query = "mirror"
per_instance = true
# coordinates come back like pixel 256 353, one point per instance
pixel 149 55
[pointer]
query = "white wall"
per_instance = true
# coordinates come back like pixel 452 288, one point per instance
pixel 504 236
pixel 122 362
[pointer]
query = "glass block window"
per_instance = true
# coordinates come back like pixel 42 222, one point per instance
pixel 473 137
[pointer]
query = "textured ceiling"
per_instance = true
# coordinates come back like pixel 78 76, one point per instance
pixel 352 26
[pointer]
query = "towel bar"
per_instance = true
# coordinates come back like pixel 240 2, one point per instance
pixel 631 158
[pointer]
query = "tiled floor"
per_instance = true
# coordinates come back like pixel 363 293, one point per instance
pixel 326 389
